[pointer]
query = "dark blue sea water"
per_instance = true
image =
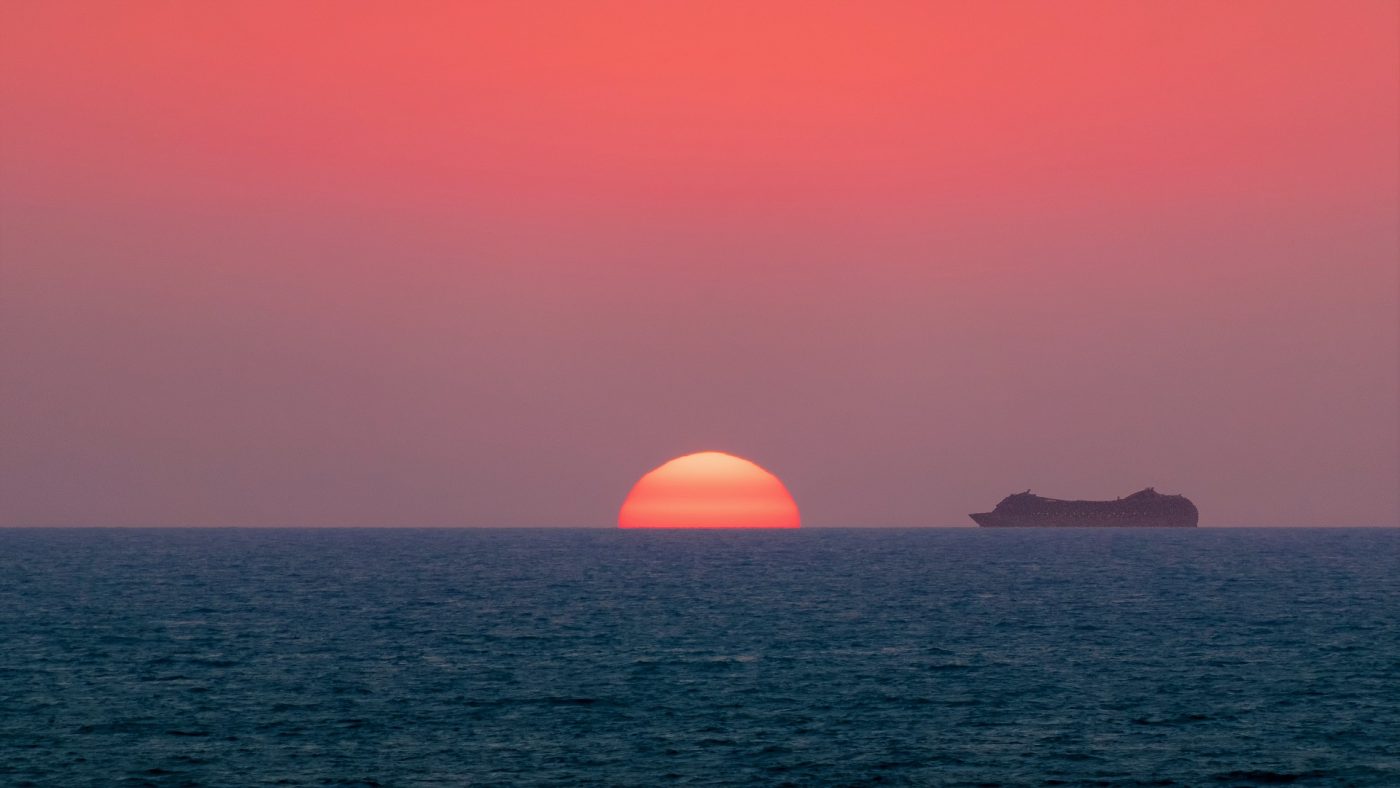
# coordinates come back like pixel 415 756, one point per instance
pixel 859 657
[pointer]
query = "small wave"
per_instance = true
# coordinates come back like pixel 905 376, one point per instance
pixel 174 677
pixel 1181 719
pixel 571 701
pixel 212 663
pixel 563 700
pixel 1077 757
pixel 1265 777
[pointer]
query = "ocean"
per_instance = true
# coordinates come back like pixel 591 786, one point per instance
pixel 189 657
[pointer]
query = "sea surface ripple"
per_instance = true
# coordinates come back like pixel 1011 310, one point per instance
pixel 601 657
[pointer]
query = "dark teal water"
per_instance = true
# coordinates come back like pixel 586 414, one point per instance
pixel 885 657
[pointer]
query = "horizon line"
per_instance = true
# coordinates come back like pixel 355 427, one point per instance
pixel 346 527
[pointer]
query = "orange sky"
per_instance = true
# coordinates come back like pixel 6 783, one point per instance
pixel 742 104
pixel 374 263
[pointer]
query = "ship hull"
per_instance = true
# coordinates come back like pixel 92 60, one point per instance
pixel 989 520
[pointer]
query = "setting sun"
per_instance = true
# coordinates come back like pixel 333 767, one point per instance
pixel 709 489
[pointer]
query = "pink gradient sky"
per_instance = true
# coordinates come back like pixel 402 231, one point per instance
pixel 488 263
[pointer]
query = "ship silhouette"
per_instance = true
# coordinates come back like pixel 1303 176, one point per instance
pixel 1143 509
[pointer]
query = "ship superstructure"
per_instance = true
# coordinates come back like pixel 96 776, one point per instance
pixel 1143 509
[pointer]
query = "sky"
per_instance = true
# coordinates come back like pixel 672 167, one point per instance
pixel 486 264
